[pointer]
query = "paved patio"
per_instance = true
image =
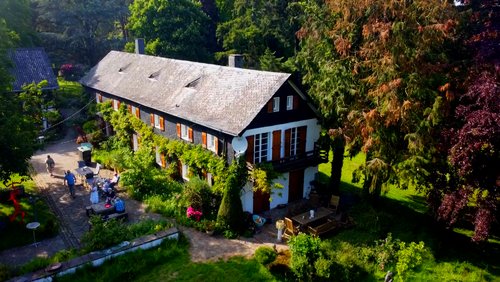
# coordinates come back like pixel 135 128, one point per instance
pixel 71 213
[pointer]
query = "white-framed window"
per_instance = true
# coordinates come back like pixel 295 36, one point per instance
pixel 185 132
pixel 135 111
pixel 276 104
pixel 98 97
pixel 293 141
pixel 157 121
pixel 135 142
pixel 210 179
pixel 185 171
pixel 116 104
pixel 289 102
pixel 211 142
pixel 158 156
pixel 261 147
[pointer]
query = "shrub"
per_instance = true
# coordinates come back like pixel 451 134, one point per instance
pixel 409 256
pixel 305 251
pixel 265 255
pixel 104 234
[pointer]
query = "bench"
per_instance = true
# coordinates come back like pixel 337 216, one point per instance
pixel 116 215
pixel 322 229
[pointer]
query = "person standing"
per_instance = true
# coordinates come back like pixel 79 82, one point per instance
pixel 70 180
pixel 94 195
pixel 50 164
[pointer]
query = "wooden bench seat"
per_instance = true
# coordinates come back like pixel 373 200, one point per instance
pixel 322 229
pixel 117 216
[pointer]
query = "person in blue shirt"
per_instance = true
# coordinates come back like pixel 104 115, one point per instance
pixel 70 179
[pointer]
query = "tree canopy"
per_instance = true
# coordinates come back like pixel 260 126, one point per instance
pixel 18 127
pixel 171 28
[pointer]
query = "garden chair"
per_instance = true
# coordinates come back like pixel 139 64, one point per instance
pixel 97 170
pixel 290 229
pixel 334 203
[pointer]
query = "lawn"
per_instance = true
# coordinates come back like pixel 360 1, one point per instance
pixel 15 233
pixel 171 262
pixel 403 213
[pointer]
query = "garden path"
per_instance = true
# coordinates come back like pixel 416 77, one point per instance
pixel 73 220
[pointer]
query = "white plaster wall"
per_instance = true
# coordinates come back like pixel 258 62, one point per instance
pixel 281 196
pixel 313 130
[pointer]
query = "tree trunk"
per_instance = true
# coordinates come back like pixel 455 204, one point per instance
pixel 338 148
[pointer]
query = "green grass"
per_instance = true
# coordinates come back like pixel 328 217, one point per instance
pixel 69 89
pixel 171 262
pixel 14 233
pixel 403 214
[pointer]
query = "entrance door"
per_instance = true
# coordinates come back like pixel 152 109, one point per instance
pixel 296 185
pixel 260 201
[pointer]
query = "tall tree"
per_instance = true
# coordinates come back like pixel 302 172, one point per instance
pixel 17 125
pixel 384 65
pixel 171 28
pixel 18 18
pixel 80 31
pixel 474 136
pixel 257 26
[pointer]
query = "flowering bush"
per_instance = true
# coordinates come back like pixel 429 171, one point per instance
pixel 193 214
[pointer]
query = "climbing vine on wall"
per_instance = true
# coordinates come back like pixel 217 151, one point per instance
pixel 198 159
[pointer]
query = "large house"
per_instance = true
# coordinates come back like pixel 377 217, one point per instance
pixel 227 109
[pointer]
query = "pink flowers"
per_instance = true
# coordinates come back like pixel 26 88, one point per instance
pixel 192 213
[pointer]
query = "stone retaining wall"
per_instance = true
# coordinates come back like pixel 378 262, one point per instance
pixel 98 258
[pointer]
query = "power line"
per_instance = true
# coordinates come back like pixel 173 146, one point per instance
pixel 71 116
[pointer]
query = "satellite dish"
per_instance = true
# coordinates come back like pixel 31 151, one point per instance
pixel 240 145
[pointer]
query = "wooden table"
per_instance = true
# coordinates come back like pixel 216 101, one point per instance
pixel 101 209
pixel 304 218
pixel 84 173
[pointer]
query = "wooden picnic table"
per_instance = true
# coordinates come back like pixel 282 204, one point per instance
pixel 305 220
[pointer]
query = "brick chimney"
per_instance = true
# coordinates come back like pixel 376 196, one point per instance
pixel 235 60
pixel 139 46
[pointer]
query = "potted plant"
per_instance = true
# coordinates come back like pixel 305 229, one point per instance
pixel 209 226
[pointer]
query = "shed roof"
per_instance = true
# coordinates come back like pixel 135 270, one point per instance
pixel 31 65
pixel 223 98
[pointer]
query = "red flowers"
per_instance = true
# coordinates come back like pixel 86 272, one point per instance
pixel 192 213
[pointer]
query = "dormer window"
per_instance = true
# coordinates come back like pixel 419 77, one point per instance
pixel 276 104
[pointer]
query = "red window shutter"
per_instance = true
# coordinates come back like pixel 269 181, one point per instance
pixel 276 145
pixel 296 102
pixel 129 108
pixel 287 142
pixel 152 119
pixel 119 103
pixel 137 112
pixel 162 124
pixel 99 98
pixel 302 135
pixel 162 157
pixel 216 141
pixel 204 139
pixel 179 130
pixel 270 106
pixel 190 134
pixel 204 173
pixel 249 156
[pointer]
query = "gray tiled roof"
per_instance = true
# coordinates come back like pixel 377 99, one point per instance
pixel 222 98
pixel 31 65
